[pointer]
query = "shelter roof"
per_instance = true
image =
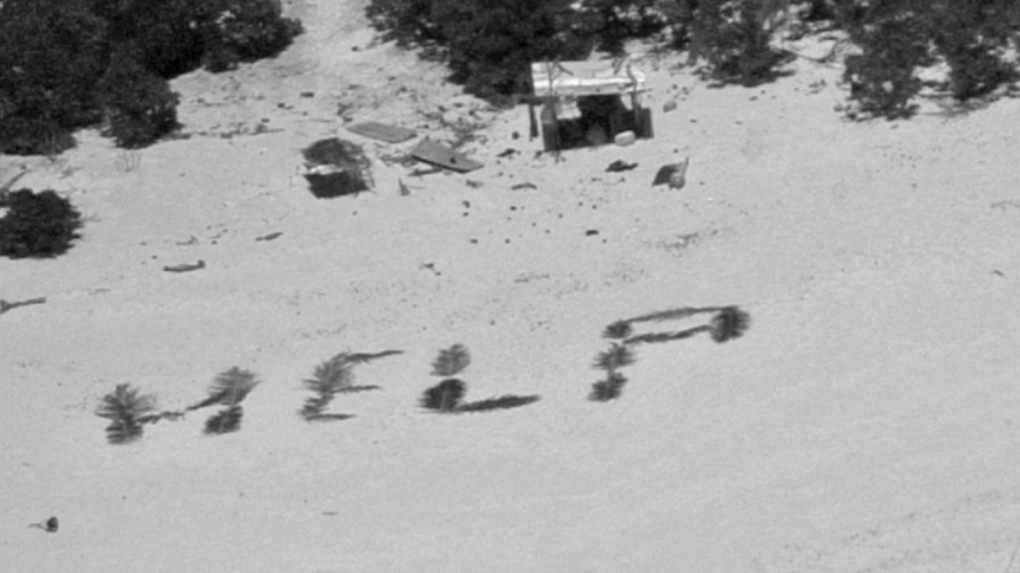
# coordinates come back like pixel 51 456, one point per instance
pixel 565 79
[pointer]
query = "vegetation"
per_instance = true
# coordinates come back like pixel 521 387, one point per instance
pixel 735 39
pixel 66 64
pixel 126 409
pixel 728 322
pixel 37 225
pixel 445 396
pixel 332 377
pixel 448 395
pixel 228 389
pixel 488 56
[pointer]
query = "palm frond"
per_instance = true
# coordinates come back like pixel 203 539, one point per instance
pixel 229 388
pixel 618 329
pixel 618 356
pixel 654 337
pixel 608 389
pixel 451 361
pixel 125 402
pixel 730 323
pixel 673 314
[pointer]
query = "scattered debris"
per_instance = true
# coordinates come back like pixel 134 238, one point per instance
pixel 6 306
pixel 185 267
pixel 423 172
pixel 674 174
pixel 435 153
pixel 269 237
pixel 382 132
pixel 591 232
pixel 624 139
pixel 524 185
pixel 620 165
pixel 668 106
pixel 509 151
pixel 474 184
pixel 336 167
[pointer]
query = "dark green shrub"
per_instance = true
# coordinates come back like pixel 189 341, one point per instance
pixel 51 54
pixel 488 47
pixel 24 136
pixel 126 409
pixel 407 22
pixel 973 38
pixel 246 31
pixel 139 104
pixel 733 37
pixel 616 21
pixel 37 225
pixel 894 38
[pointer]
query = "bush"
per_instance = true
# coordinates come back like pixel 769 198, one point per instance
pixel 488 47
pixel 618 20
pixel 408 22
pixel 246 31
pixel 899 36
pixel 37 225
pixel 52 52
pixel 894 38
pixel 733 37
pixel 973 37
pixel 23 136
pixel 139 104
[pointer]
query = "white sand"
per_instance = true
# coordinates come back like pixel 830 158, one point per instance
pixel 866 421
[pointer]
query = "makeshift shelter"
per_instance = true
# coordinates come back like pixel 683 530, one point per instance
pixel 336 167
pixel 582 103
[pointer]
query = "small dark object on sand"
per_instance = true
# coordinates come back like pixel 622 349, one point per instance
pixel 507 152
pixel 524 186
pixel 5 306
pixel 269 237
pixel 51 525
pixel 185 268
pixel 620 165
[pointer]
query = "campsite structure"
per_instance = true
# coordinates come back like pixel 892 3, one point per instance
pixel 582 103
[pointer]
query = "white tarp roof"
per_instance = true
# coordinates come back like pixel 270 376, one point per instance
pixel 586 78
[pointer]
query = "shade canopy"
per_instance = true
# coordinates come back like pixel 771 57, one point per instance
pixel 572 79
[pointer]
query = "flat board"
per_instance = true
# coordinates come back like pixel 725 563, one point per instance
pixel 438 154
pixel 382 132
